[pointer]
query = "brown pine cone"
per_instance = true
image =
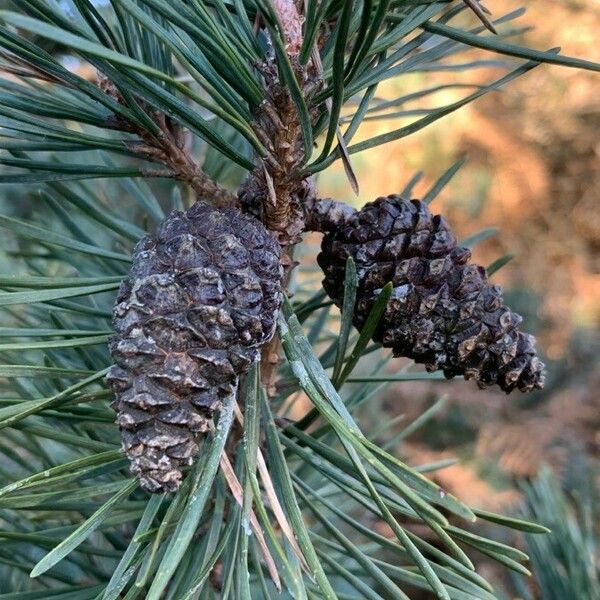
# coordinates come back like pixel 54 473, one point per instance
pixel 443 312
pixel 201 298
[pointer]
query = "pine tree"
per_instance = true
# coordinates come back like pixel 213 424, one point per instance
pixel 153 204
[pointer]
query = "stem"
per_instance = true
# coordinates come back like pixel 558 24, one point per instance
pixel 278 190
pixel 270 353
pixel 187 169
pixel 169 147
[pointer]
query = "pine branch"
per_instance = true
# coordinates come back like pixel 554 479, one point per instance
pixel 250 96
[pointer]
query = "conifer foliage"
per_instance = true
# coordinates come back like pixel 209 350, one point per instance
pixel 159 161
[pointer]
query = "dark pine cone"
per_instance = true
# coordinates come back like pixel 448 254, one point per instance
pixel 202 296
pixel 443 311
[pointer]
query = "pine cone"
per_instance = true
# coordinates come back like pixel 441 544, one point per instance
pixel 443 311
pixel 201 298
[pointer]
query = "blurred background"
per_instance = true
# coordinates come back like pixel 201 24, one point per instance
pixel 532 172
